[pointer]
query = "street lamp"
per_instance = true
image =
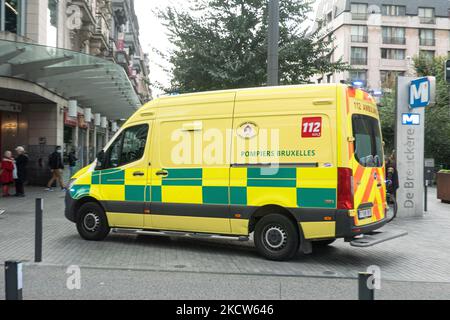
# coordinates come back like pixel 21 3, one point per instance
pixel 273 39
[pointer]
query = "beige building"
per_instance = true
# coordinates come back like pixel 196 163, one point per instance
pixel 71 71
pixel 379 38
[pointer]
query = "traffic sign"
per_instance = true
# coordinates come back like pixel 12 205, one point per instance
pixel 411 119
pixel 420 93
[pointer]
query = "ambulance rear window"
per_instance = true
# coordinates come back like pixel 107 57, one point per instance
pixel 368 142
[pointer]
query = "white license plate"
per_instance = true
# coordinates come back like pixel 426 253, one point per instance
pixel 365 214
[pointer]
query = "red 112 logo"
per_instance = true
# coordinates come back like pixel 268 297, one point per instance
pixel 312 127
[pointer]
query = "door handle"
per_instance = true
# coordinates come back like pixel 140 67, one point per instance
pixel 162 173
pixel 138 174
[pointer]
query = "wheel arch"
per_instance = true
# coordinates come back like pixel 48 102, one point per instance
pixel 82 201
pixel 271 209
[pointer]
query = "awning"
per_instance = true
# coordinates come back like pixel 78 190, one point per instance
pixel 94 82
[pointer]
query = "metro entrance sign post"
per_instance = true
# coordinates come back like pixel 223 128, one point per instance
pixel 413 96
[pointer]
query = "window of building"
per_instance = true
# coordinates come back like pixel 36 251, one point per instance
pixel 427 15
pixel 359 11
pixel 427 54
pixel 427 37
pixel 392 10
pixel 12 16
pixel 329 78
pixel 388 78
pixel 358 75
pixel 52 23
pixel 393 35
pixel 393 54
pixel 359 34
pixel 329 17
pixel 358 56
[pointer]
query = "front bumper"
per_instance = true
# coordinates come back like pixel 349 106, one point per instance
pixel 69 211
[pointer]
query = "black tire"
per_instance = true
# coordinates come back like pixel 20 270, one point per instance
pixel 92 223
pixel 323 243
pixel 276 237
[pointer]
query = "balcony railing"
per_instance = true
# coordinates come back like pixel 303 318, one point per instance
pixel 428 42
pixel 88 8
pixel 362 39
pixel 102 27
pixel 358 61
pixel 394 40
pixel 359 16
pixel 427 20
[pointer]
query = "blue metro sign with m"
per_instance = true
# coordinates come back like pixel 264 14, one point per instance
pixel 420 93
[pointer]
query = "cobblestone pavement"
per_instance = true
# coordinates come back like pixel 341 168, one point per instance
pixel 424 255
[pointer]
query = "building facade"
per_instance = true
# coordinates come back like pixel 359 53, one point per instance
pixel 380 38
pixel 71 71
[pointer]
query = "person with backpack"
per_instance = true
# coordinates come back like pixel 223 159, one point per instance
pixel 72 162
pixel 56 165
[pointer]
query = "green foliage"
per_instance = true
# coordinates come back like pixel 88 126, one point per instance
pixel 437 123
pixel 437 127
pixel 222 44
pixel 387 118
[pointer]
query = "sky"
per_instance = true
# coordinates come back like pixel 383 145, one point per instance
pixel 153 35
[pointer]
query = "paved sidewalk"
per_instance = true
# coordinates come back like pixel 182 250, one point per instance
pixel 45 283
pixel 424 255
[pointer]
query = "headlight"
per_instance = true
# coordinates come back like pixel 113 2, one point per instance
pixel 71 183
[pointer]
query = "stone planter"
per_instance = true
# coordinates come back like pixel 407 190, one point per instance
pixel 443 186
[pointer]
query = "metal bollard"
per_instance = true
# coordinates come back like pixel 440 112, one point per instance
pixel 365 292
pixel 38 231
pixel 13 280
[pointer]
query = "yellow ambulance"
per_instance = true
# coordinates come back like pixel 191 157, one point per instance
pixel 296 166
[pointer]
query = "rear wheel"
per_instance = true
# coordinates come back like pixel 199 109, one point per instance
pixel 276 237
pixel 92 223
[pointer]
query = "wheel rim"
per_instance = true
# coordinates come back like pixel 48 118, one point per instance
pixel 274 238
pixel 91 222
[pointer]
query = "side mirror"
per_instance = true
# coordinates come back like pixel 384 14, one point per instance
pixel 100 160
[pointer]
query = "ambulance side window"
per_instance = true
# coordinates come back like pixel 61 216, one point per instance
pixel 113 153
pixel 128 147
pixel 134 141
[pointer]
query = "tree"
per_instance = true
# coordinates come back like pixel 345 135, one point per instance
pixel 437 118
pixel 222 44
pixel 387 118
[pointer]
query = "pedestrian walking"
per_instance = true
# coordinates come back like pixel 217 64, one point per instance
pixel 392 175
pixel 56 165
pixel 72 162
pixel 7 173
pixel 21 164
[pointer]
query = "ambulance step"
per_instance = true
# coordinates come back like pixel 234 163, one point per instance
pixel 377 237
pixel 179 234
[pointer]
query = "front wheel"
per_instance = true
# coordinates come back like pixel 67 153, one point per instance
pixel 276 237
pixel 92 223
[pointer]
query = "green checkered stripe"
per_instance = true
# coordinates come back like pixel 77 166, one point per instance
pixel 221 195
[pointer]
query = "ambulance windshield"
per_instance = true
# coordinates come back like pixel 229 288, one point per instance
pixel 368 142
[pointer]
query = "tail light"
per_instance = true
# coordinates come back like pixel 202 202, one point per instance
pixel 345 189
